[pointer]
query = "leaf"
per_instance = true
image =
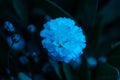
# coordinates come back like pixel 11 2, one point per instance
pixel 115 45
pixel 22 76
pixel 86 12
pixel 114 60
pixel 51 8
pixel 84 72
pixel 58 8
pixel 20 8
pixel 110 12
pixel 93 42
pixel 56 68
pixel 67 5
pixel 67 71
pixel 3 50
pixel 106 72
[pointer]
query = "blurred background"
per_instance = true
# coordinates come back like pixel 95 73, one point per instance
pixel 22 56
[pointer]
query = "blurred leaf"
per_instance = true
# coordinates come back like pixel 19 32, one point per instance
pixel 106 72
pixel 110 12
pixel 114 60
pixel 67 71
pixel 51 8
pixel 93 38
pixel 67 5
pixel 3 50
pixel 84 72
pixel 22 76
pixel 56 67
pixel 21 10
pixel 115 45
pixel 59 8
pixel 86 12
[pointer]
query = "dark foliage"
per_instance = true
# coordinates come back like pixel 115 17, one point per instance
pixel 99 20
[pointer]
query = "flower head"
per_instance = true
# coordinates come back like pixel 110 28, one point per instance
pixel 63 39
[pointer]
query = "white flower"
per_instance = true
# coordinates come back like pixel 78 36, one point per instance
pixel 63 39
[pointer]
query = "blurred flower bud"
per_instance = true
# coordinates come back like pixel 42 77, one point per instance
pixel 102 59
pixel 47 18
pixel 16 42
pixel 8 26
pixel 23 60
pixel 92 61
pixel 31 28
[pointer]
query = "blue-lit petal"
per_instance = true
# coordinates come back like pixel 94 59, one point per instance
pixel 16 42
pixel 63 40
pixel 9 26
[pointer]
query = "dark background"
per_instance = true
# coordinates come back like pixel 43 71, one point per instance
pixel 100 20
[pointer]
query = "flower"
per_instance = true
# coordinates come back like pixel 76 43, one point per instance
pixel 9 26
pixel 31 28
pixel 92 62
pixel 16 42
pixel 63 39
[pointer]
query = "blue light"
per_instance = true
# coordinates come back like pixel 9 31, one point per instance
pixel 31 28
pixel 9 26
pixel 63 39
pixel 92 61
pixel 16 42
